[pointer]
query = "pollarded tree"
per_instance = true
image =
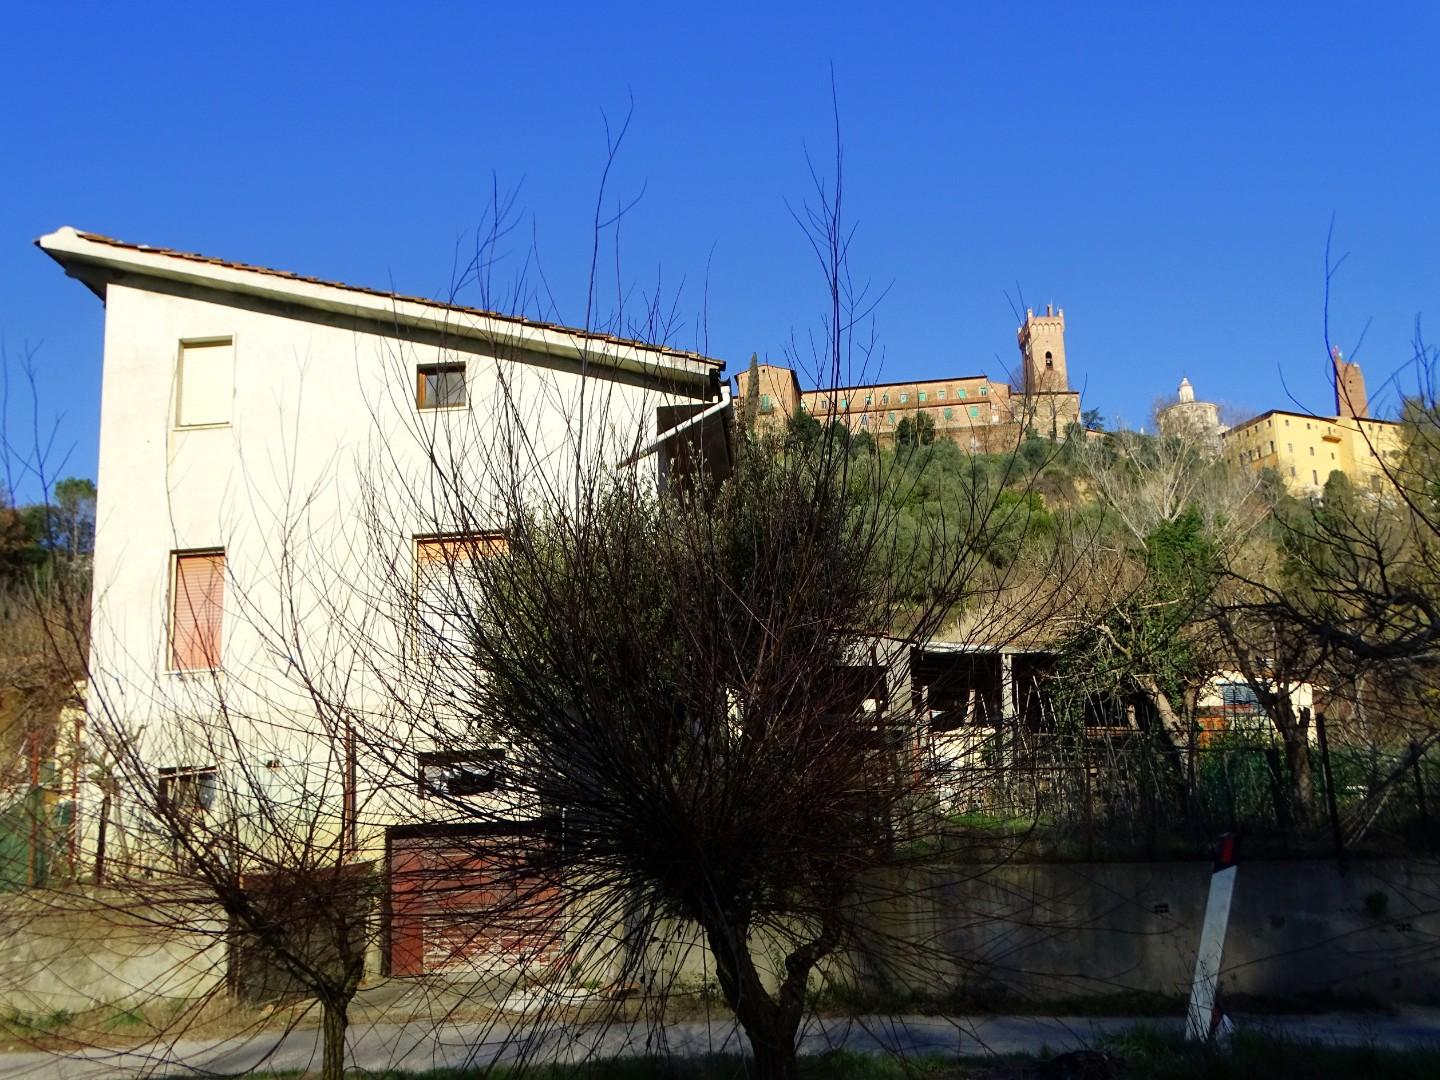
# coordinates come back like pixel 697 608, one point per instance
pixel 691 702
pixel 699 698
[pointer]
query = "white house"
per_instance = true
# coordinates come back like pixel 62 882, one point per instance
pixel 268 470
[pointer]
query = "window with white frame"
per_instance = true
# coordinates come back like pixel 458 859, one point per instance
pixel 447 583
pixel 205 382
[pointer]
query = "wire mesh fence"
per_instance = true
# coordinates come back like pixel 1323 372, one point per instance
pixel 1121 793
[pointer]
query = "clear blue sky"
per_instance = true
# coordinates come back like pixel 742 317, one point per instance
pixel 1165 175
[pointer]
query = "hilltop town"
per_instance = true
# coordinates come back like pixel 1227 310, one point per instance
pixel 984 414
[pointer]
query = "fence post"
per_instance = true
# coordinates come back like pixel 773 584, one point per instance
pixel 1204 1019
pixel 1330 801
pixel 1274 768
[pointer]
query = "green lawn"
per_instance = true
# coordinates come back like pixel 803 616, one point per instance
pixel 1139 1055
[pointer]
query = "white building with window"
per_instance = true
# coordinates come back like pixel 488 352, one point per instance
pixel 269 459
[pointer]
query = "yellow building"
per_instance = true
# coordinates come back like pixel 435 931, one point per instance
pixel 974 411
pixel 1304 450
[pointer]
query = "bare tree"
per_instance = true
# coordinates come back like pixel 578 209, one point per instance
pixel 574 672
pixel 1173 517
pixel 677 717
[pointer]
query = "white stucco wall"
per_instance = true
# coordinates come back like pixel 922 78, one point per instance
pixel 315 490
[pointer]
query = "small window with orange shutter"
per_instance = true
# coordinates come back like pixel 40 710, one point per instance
pixel 197 604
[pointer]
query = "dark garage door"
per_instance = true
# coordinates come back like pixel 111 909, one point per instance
pixel 468 903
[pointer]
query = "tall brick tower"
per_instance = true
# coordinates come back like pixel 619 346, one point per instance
pixel 1350 399
pixel 1042 351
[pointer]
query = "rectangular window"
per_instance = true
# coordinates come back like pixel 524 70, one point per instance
pixel 458 774
pixel 446 589
pixel 1312 451
pixel 961 392
pixel 984 390
pixel 186 792
pixel 884 399
pixel 940 393
pixel 922 395
pixel 439 386
pixel 197 603
pixel 1236 693
pixel 1290 448
pixel 949 414
pixel 205 383
pixel 1315 476
pixel 764 402
pixel 974 410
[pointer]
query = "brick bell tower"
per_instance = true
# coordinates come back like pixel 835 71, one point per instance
pixel 1042 351
pixel 1350 399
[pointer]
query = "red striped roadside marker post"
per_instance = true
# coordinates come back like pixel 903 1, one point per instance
pixel 1204 1018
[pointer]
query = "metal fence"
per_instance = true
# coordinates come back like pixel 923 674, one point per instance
pixel 35 827
pixel 1123 794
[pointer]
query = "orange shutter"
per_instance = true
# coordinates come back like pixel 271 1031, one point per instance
pixel 198 610
pixel 445 587
pixel 452 549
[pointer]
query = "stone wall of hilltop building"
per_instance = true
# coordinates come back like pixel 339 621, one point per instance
pixel 970 410
pixel 976 412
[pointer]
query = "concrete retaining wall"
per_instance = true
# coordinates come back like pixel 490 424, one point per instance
pixel 1298 928
pixel 88 954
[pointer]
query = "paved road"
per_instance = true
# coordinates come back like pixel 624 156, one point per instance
pixel 420 1046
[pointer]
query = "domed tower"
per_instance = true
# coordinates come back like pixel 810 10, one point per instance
pixel 1194 421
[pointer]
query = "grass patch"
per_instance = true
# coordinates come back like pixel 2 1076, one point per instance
pixel 125 1020
pixel 836 1065
pixel 1141 1054
pixel 994 1000
pixel 29 1025
pixel 1158 1055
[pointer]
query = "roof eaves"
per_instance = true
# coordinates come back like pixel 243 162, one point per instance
pixel 68 244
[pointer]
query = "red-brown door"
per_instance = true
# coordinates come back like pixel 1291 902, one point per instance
pixel 469 903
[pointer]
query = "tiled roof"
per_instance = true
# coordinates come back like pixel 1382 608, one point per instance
pixel 190 256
